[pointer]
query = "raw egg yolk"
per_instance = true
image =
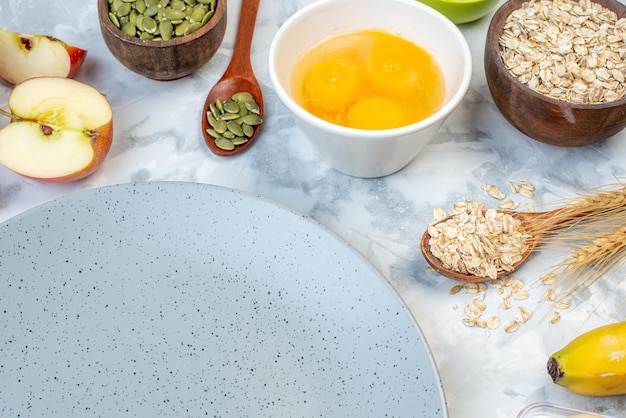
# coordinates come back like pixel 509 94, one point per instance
pixel 400 74
pixel 376 113
pixel 330 86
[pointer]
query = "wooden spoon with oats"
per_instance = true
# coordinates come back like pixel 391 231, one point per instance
pixel 476 254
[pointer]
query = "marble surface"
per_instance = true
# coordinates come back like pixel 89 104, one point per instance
pixel 157 138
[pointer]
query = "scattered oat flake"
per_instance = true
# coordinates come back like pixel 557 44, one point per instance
pixel 511 326
pixel 526 193
pixel 439 214
pixel 469 322
pixel 549 295
pixel 493 322
pixel 554 318
pixel 527 185
pixel 472 311
pixel 480 304
pixel 548 278
pixel 455 289
pixel 508 204
pixel 493 191
pixel 561 304
pixel 523 314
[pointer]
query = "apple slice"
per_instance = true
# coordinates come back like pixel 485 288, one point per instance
pixel 60 130
pixel 28 56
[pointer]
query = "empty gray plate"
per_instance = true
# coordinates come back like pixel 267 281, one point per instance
pixel 188 300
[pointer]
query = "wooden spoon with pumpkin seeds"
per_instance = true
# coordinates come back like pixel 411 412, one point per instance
pixel 239 77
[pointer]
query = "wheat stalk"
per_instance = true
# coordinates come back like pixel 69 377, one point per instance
pixel 591 237
pixel 588 262
pixel 593 207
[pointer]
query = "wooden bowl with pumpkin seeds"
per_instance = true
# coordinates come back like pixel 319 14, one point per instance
pixel 556 69
pixel 163 39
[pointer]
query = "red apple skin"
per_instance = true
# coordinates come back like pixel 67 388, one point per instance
pixel 77 57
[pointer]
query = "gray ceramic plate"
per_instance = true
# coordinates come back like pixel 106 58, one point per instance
pixel 179 299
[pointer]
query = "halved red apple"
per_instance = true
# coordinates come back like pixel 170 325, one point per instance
pixel 60 130
pixel 28 56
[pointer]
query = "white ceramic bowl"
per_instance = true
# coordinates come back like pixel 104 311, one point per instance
pixel 359 152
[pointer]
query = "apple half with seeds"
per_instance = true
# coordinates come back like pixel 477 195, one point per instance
pixel 60 129
pixel 29 56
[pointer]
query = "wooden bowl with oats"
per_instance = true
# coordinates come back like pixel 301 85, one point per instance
pixel 555 80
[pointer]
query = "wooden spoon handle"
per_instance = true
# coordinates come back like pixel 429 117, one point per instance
pixel 240 63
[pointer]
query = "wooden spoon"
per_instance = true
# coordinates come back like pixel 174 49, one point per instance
pixel 537 224
pixel 238 77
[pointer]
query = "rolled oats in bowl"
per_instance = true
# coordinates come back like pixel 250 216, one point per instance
pixel 568 50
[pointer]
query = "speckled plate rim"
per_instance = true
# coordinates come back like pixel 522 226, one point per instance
pixel 87 334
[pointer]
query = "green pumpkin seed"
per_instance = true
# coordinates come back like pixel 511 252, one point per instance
pixel 239 141
pixel 242 96
pixel 219 105
pixel 166 29
pixel 248 130
pixel 178 5
pixel 139 23
pixel 193 27
pixel 252 107
pixel 181 28
pixel 214 111
pixel 231 107
pixel 252 119
pixel 235 128
pixel 197 14
pixel 123 10
pixel 146 36
pixel 243 110
pixel 207 17
pixel 229 116
pixel 150 3
pixel 115 20
pixel 210 118
pixel 151 11
pixel 149 24
pixel 140 6
pixel 129 29
pixel 173 14
pixel 225 144
pixel 213 133
pixel 220 126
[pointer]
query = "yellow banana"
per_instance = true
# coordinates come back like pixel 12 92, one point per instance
pixel 593 363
